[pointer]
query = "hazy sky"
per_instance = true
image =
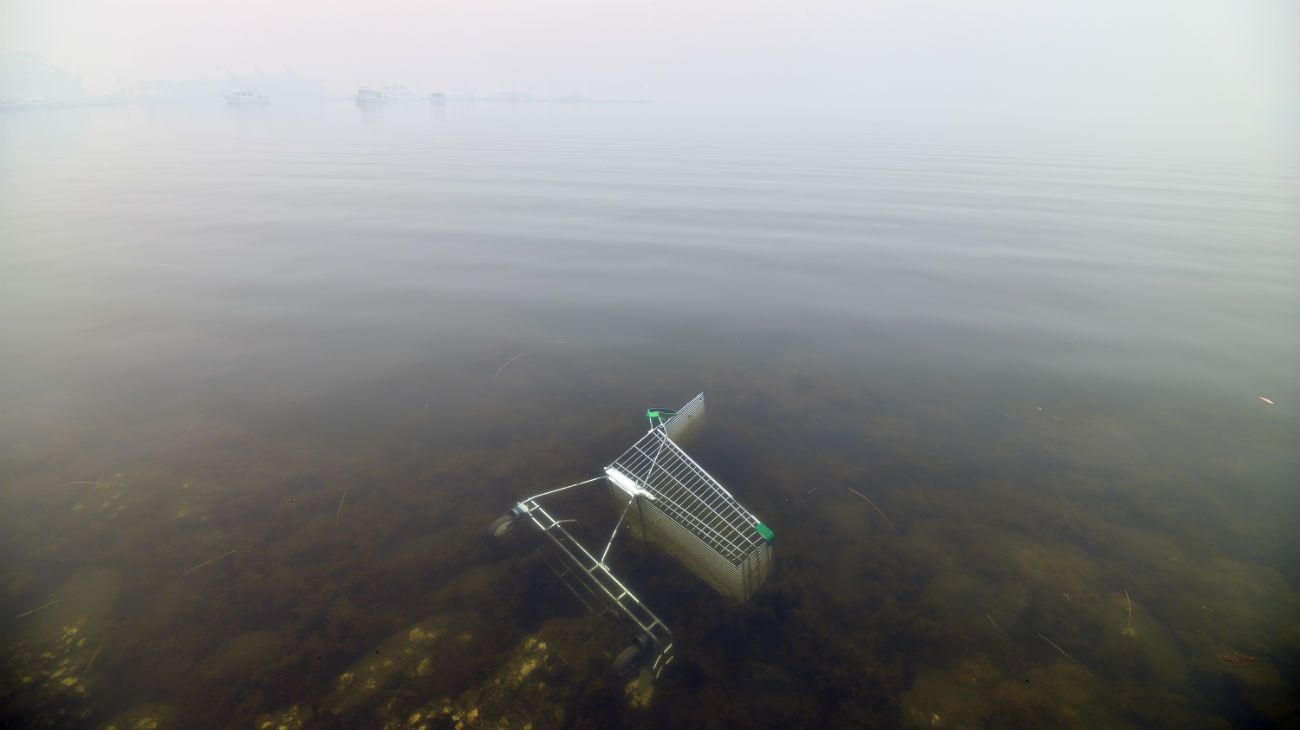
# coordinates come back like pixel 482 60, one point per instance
pixel 1199 67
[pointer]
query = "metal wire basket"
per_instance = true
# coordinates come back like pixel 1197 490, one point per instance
pixel 680 508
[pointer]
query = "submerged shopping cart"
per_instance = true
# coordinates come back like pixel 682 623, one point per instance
pixel 666 499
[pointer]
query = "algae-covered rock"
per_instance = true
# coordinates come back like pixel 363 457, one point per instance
pixel 441 656
pixel 1059 695
pixel 537 683
pixel 145 717
pixel 52 662
pixel 1256 680
pixel 247 655
pixel 1249 606
pixel 1135 646
pixel 435 674
pixel 951 697
pixel 294 718
pixel 979 692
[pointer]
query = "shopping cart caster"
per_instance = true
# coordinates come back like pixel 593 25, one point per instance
pixel 627 660
pixel 501 525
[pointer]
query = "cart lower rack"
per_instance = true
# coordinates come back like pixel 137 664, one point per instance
pixel 668 500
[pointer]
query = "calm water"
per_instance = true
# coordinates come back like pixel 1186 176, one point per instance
pixel 267 377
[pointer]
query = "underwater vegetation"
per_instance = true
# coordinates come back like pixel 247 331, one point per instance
pixel 944 561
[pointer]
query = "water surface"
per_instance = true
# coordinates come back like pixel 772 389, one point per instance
pixel 323 347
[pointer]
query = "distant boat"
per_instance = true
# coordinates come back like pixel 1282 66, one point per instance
pixel 438 97
pixel 398 93
pixel 243 97
pixel 367 95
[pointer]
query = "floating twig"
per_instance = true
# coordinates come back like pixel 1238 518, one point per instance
pixel 41 607
pixel 873 505
pixel 205 562
pixel 1064 653
pixel 995 623
pixel 86 666
pixel 339 511
pixel 503 367
pixel 1267 400
pixel 1129 631
pixel 195 422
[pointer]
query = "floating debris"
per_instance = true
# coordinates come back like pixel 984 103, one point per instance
pixel 206 562
pixel 195 422
pixel 1267 400
pixel 339 511
pixel 503 367
pixel 1129 630
pixel 38 608
pixel 1236 657
pixel 93 657
pixel 873 504
pixel 1064 653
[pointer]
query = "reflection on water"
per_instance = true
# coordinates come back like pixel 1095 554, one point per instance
pixel 255 420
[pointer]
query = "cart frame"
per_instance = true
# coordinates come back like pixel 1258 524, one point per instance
pixel 680 507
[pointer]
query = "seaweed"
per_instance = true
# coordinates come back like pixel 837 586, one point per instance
pixel 984 582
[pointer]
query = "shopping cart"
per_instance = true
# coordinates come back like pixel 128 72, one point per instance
pixel 680 508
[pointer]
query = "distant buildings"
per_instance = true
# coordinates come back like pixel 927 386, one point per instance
pixel 26 81
pixel 210 91
pixel 24 78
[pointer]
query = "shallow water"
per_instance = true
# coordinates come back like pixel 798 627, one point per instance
pixel 323 349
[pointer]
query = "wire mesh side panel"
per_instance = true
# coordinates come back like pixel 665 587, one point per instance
pixel 689 495
pixel 755 569
pixel 647 522
pixel 688 421
pixel 692 518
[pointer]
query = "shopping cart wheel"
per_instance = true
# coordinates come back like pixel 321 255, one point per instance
pixel 626 661
pixel 501 525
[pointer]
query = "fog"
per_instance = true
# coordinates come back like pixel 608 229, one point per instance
pixel 993 302
pixel 1163 72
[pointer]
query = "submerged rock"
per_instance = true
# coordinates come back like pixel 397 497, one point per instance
pixel 51 664
pixel 441 655
pixel 951 697
pixel 439 673
pixel 247 654
pixel 294 718
pixel 144 717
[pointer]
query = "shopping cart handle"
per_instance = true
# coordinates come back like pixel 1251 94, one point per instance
pixel 625 483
